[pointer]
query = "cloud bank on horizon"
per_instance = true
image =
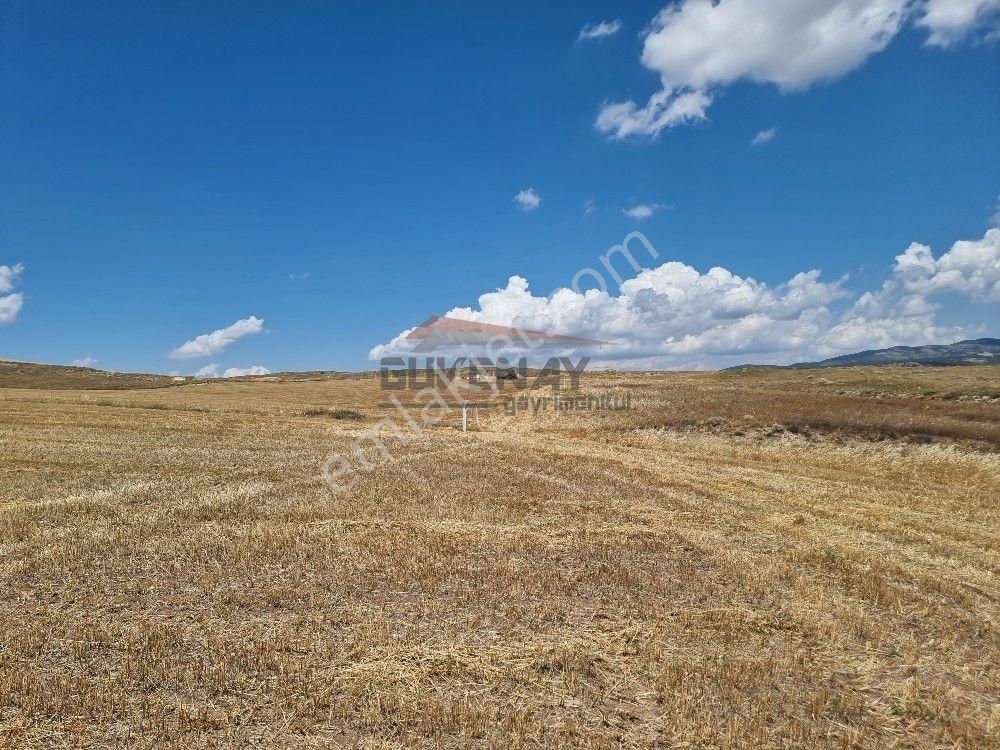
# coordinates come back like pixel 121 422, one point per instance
pixel 698 47
pixel 674 317
pixel 211 370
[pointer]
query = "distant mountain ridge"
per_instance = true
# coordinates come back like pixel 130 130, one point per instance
pixel 971 352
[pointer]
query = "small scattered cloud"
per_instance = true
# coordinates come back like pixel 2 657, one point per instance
pixel 210 370
pixel 208 344
pixel 528 199
pixel 764 136
pixel 84 362
pixel 589 207
pixel 643 210
pixel 10 304
pixel 299 276
pixel 600 30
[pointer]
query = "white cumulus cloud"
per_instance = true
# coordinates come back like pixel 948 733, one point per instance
pixel 208 344
pixel 84 362
pixel 971 268
pixel 10 304
pixel 528 199
pixel 599 30
pixel 10 307
pixel 696 47
pixel 8 277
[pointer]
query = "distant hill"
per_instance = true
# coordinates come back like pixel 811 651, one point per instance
pixel 15 374
pixel 972 352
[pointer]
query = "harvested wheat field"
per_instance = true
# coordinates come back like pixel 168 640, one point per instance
pixel 795 559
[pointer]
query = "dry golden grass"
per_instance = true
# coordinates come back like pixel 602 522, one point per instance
pixel 767 559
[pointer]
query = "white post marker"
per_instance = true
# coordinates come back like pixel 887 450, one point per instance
pixel 465 417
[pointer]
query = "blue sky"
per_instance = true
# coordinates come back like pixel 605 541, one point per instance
pixel 338 172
